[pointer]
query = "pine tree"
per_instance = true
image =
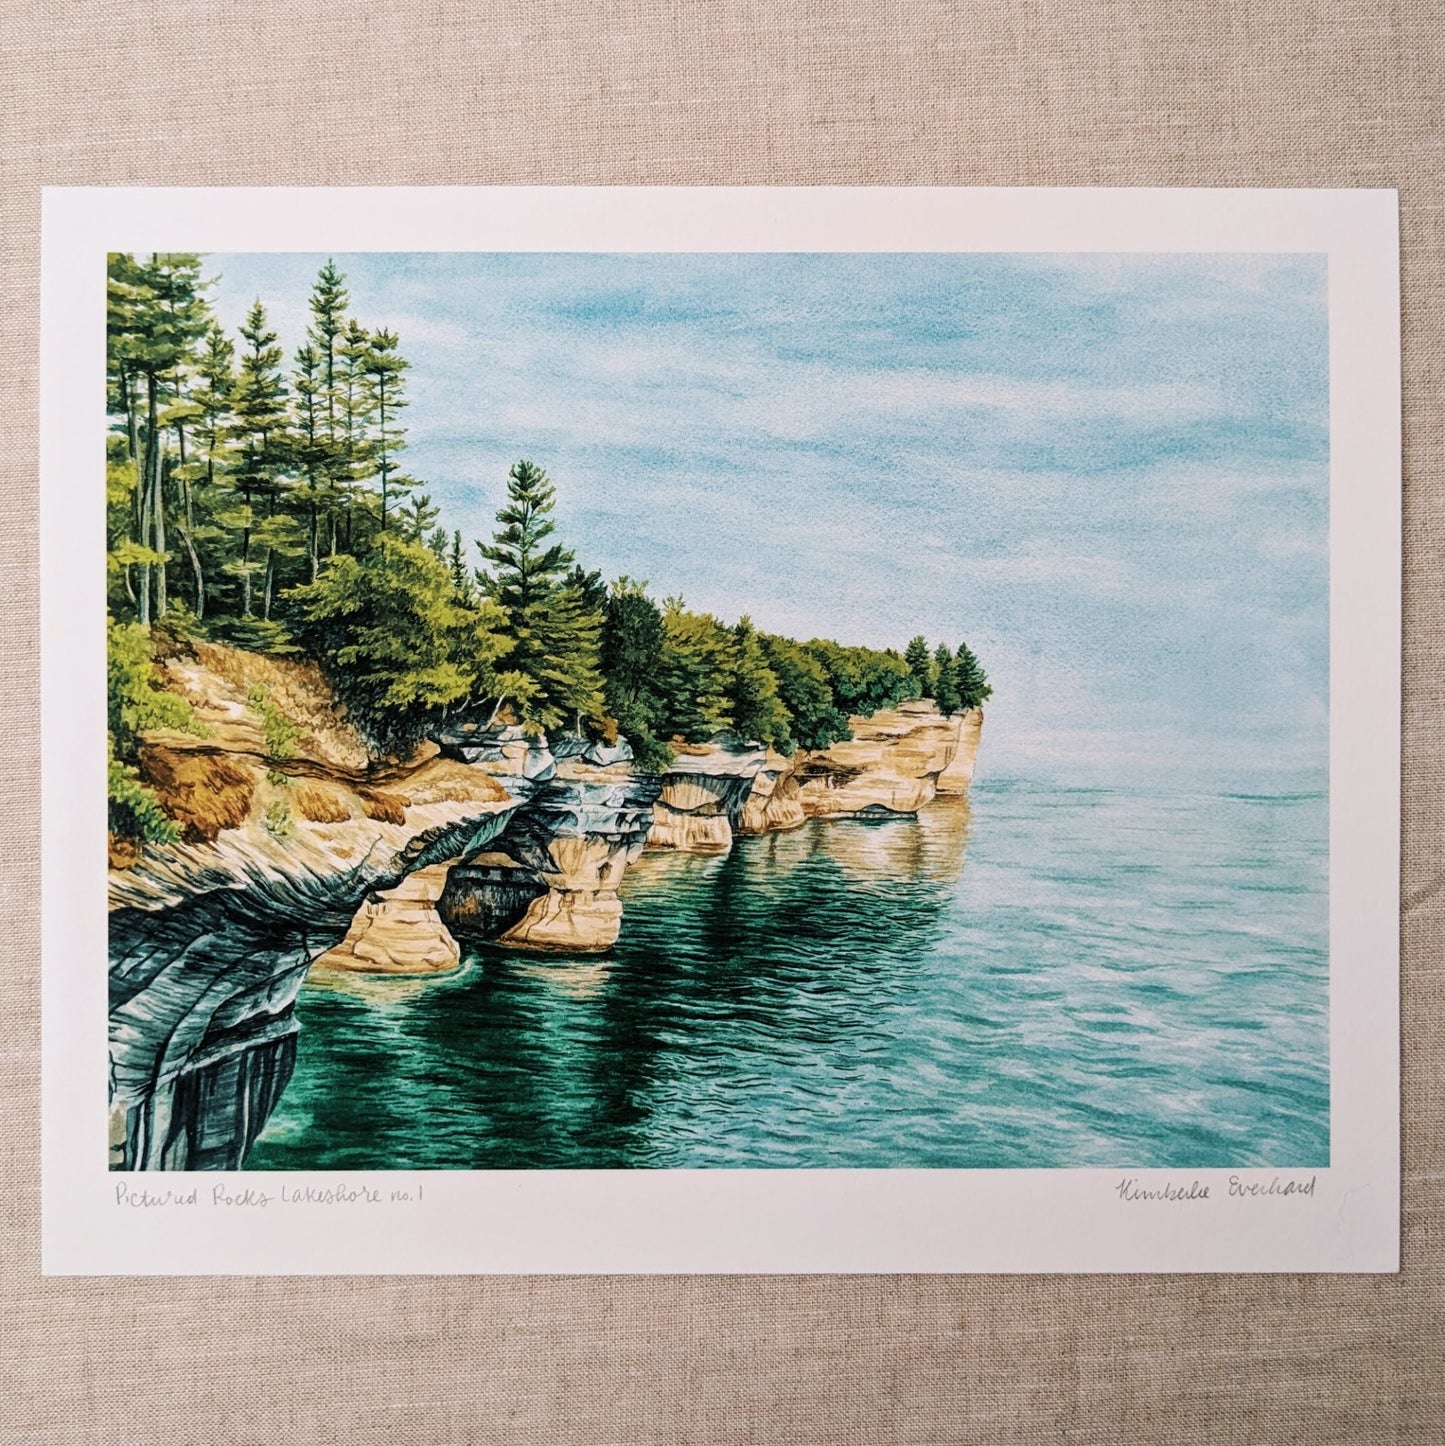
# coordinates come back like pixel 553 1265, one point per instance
pixel 417 518
pixel 327 336
pixel 920 664
pixel 259 430
pixel 211 458
pixel 803 686
pixel 945 689
pixel 356 450
pixel 974 689
pixel 155 317
pixel 758 712
pixel 311 451
pixel 692 674
pixel 383 366
pixel 630 654
pixel 457 562
pixel 557 637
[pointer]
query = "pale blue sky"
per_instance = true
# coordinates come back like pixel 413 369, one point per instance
pixel 1108 474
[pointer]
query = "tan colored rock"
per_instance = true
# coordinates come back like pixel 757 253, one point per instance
pixel 956 778
pixel 398 931
pixel 704 794
pixel 694 833
pixel 570 921
pixel 890 765
pixel 773 805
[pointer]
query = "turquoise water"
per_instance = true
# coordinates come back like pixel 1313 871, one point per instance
pixel 1044 977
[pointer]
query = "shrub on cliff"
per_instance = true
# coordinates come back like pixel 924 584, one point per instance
pixel 398 643
pixel 136 701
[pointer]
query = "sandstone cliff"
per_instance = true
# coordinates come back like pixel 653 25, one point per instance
pixel 956 778
pixel 549 880
pixel 704 793
pixel 286 831
pixel 299 848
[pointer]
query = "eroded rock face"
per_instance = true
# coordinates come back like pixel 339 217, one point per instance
pixel 773 805
pixel 891 765
pixel 210 938
pixel 704 794
pixel 956 778
pixel 549 880
pixel 398 931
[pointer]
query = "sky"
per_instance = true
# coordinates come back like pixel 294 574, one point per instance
pixel 1108 474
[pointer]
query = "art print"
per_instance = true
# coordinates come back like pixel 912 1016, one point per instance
pixel 710 715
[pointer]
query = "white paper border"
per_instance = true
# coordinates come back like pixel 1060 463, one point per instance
pixel 731 1220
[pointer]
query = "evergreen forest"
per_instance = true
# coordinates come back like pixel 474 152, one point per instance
pixel 265 501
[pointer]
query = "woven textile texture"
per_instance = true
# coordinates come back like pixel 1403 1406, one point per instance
pixel 1272 93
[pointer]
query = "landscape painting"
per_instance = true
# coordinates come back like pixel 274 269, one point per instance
pixel 602 710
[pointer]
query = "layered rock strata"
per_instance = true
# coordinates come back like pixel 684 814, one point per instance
pixel 955 779
pixel 210 937
pixel 398 931
pixel 704 793
pixel 549 880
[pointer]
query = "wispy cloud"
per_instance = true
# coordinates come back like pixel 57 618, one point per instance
pixel 1109 473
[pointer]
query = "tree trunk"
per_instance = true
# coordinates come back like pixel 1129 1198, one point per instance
pixel 140 510
pixel 246 559
pixel 196 569
pixel 157 492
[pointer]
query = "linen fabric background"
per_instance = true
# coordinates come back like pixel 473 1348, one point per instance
pixel 998 92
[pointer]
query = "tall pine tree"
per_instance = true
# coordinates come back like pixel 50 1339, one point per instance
pixel 556 635
pixel 383 366
pixel 974 689
pixel 945 688
pixel 920 664
pixel 259 430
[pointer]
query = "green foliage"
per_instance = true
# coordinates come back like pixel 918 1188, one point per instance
pixel 920 664
pixel 523 568
pixel 266 506
pixel 555 630
pixel 135 699
pixel 974 689
pixel 692 674
pixel 863 679
pixel 281 735
pixel 133 811
pixel 256 635
pixel 401 649
pixel 630 650
pixel 945 687
pixel 806 693
pixel 382 366
pixel 758 711
pixel 279 821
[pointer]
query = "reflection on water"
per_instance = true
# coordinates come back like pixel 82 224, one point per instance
pixel 1104 983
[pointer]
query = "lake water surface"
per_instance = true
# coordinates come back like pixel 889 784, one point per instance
pixel 1042 977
